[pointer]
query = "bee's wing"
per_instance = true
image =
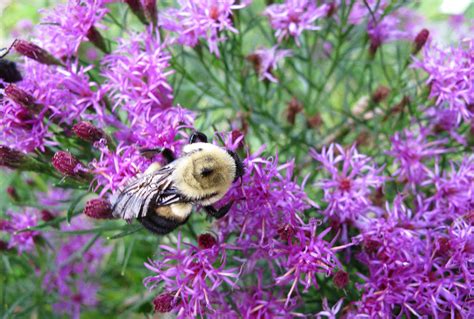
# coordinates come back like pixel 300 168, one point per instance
pixel 154 189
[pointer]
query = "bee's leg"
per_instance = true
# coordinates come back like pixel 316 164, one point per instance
pixel 218 213
pixel 154 228
pixel 166 152
pixel 197 137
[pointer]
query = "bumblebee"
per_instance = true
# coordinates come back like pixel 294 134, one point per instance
pixel 163 197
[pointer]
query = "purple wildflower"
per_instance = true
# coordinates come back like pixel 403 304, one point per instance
pixel 305 257
pixel 294 16
pixel 200 19
pixel 265 61
pixel 136 74
pixel 114 168
pixel 354 177
pixel 21 238
pixel 266 199
pixel 411 150
pixel 71 277
pixel 65 27
pixel 454 190
pixel 451 74
pixel 192 275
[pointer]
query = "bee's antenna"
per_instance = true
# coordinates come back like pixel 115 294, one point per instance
pixel 7 49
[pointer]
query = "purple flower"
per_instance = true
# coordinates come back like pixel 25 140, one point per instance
pixel 136 76
pixel 266 199
pixel 73 273
pixel 21 238
pixel 354 177
pixel 115 167
pixel 411 150
pixel 454 195
pixel 451 74
pixel 200 19
pixel 265 61
pixel 294 16
pixel 305 256
pixel 65 27
pixel 192 275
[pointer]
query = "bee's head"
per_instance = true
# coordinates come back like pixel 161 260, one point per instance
pixel 207 169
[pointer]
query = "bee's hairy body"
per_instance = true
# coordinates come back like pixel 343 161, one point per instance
pixel 163 197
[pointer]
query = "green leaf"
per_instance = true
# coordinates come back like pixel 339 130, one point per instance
pixel 74 203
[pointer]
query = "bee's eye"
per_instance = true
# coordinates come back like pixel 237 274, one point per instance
pixel 205 172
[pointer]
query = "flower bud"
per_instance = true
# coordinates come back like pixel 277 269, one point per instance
pixel 11 191
pixel 286 232
pixel 137 9
pixel 150 11
pixel 380 94
pixel 294 107
pixel 420 40
pixel 314 121
pixel 20 97
pixel 35 52
pixel 97 39
pixel 3 245
pixel 163 303
pixel 88 132
pixel 98 208
pixel 12 158
pixel 206 241
pixel 46 215
pixel 340 279
pixel 67 164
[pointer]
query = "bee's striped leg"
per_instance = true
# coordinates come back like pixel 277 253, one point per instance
pixel 218 213
pixel 197 137
pixel 166 152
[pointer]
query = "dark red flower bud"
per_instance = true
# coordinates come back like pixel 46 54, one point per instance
pixel 97 39
pixel 46 215
pixel 420 40
pixel 331 9
pixel 3 245
pixel 340 279
pixel 150 10
pixel 374 46
pixel 380 94
pixel 88 132
pixel 11 191
pixel 35 52
pixel 444 247
pixel 235 134
pixel 137 9
pixel 371 246
pixel 314 121
pixel 286 232
pixel 67 164
pixel 206 241
pixel 98 208
pixel 12 158
pixel 20 96
pixel 294 107
pixel 164 303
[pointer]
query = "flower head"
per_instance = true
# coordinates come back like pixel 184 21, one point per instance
pixel 293 17
pixel 20 237
pixel 354 177
pixel 410 150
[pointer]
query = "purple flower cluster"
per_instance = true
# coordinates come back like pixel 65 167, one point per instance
pixel 451 77
pixel 17 226
pixel 77 262
pixel 353 179
pixel 201 19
